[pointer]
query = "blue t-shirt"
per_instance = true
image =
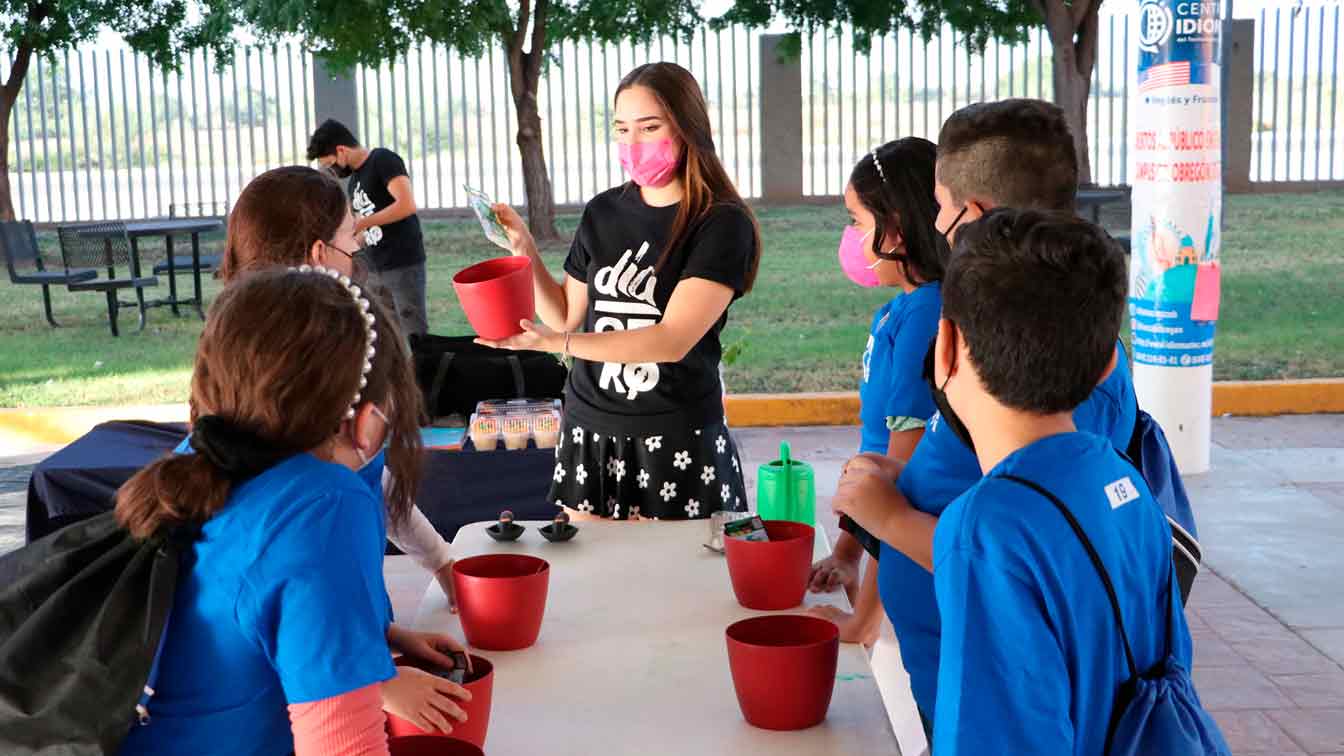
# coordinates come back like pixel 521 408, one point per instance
pixel 284 603
pixel 1031 655
pixel 941 469
pixel 893 381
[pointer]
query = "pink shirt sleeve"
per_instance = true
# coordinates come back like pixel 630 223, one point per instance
pixel 351 724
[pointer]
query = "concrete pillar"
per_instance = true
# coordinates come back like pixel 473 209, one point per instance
pixel 781 122
pixel 334 96
pixel 1238 116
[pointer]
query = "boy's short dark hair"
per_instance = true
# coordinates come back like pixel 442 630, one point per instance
pixel 1019 153
pixel 330 135
pixel 1039 299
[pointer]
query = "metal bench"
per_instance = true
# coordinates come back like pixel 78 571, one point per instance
pixel 23 259
pixel 106 246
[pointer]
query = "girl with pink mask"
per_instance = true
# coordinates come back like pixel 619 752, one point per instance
pixel 890 241
pixel 654 267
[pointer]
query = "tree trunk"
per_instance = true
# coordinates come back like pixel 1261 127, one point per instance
pixel 1073 30
pixel 9 94
pixel 536 180
pixel 524 82
pixel 6 199
pixel 1071 93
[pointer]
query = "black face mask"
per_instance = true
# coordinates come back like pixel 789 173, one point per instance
pixel 945 410
pixel 341 171
pixel 944 232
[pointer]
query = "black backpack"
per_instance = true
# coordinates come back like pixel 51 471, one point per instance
pixel 455 373
pixel 83 614
pixel 1151 455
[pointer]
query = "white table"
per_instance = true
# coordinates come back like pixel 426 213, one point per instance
pixel 632 657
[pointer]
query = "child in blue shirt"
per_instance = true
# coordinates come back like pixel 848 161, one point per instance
pixel 1013 153
pixel 1031 656
pixel 890 241
pixel 279 637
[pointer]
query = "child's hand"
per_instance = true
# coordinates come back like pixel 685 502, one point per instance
pixel 433 648
pixel 870 498
pixel 520 238
pixel 877 464
pixel 853 628
pixel 445 578
pixel 831 573
pixel 425 700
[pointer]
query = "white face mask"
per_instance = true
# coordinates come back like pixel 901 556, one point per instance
pixel 364 459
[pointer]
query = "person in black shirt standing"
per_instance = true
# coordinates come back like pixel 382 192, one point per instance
pixel 653 269
pixel 384 206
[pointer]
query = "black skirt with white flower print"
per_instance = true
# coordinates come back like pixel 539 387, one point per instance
pixel 662 477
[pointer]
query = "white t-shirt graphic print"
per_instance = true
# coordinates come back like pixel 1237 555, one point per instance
pixel 618 252
pixel 392 245
pixel 625 302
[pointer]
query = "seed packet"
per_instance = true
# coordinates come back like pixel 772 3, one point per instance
pixel 485 213
pixel 748 528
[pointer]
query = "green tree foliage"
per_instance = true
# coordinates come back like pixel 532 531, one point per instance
pixel 161 29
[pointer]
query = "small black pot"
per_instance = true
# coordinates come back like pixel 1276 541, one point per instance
pixel 502 532
pixel 558 533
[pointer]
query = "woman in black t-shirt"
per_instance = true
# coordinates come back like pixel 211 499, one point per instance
pixel 654 266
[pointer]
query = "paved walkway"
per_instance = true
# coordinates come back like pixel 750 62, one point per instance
pixel 1267 615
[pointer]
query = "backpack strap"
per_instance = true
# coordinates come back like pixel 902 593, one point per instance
pixel 440 375
pixel 142 705
pixel 519 380
pixel 1101 569
pixel 175 546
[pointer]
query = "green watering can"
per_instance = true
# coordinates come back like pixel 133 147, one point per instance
pixel 786 489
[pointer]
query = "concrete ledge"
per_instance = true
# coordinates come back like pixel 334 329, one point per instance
pixel 24 431
pixel 1247 398
pixel 1257 398
pixel 762 410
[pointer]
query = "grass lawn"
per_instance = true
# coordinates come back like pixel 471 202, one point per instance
pixel 803 328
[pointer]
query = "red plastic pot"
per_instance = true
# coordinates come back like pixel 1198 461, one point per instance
pixel 783 669
pixel 480 683
pixel 771 575
pixel 501 599
pixel 432 745
pixel 496 294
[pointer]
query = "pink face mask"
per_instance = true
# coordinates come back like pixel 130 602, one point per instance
pixel 854 262
pixel 651 164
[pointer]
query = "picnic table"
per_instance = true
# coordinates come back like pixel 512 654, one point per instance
pixel 169 228
pixel 632 657
pixel 1090 201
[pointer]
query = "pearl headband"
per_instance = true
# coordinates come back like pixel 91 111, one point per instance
pixel 370 333
pixel 878 164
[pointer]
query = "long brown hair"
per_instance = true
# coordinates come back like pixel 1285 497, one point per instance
pixel 278 216
pixel 280 360
pixel 704 181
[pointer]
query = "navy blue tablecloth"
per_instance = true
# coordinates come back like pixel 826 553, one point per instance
pixel 82 479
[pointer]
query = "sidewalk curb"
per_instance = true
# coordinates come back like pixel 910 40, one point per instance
pixel 27 430
pixel 1243 398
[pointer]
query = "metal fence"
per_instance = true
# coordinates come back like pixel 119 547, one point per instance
pixel 906 86
pixel 101 134
pixel 453 119
pixel 1295 135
